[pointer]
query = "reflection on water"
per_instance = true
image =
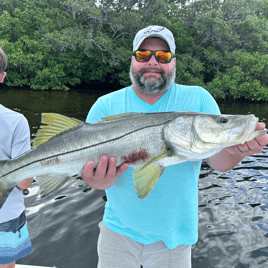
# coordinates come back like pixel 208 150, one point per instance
pixel 233 226
pixel 233 220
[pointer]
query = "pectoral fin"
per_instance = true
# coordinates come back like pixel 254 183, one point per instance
pixel 157 158
pixel 146 178
pixel 50 184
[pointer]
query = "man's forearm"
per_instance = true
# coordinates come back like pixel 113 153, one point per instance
pixel 224 160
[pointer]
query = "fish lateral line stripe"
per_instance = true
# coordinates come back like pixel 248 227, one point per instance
pixel 84 148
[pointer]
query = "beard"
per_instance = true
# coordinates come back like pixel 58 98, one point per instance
pixel 158 87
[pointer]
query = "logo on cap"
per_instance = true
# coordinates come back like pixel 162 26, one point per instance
pixel 150 30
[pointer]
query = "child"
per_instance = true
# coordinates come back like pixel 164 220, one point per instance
pixel 14 140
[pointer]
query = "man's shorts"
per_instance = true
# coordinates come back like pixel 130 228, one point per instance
pixel 14 240
pixel 119 251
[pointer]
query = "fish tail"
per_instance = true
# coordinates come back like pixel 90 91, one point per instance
pixel 4 191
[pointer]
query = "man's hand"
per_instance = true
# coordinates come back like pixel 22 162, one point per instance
pixel 229 157
pixel 105 174
pixel 251 147
pixel 25 183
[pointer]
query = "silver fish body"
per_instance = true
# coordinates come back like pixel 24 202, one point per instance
pixel 149 142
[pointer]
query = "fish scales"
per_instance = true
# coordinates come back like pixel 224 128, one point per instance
pixel 150 141
pixel 88 142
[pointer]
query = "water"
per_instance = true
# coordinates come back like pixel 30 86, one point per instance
pixel 233 222
pixel 63 227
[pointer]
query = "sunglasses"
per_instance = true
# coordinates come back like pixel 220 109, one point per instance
pixel 145 56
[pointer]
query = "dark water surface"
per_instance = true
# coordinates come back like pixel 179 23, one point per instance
pixel 63 227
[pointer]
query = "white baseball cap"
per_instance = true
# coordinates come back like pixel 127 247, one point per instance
pixel 154 31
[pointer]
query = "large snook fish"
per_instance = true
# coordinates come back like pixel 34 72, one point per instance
pixel 148 141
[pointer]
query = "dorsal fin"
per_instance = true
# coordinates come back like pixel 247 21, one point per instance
pixel 55 124
pixel 118 116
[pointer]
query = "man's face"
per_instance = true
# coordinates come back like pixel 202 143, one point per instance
pixel 153 77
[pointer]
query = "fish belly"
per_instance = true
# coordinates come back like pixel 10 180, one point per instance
pixel 136 148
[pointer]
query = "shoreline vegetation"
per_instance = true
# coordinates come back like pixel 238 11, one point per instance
pixel 221 45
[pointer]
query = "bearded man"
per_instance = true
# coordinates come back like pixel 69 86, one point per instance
pixel 159 230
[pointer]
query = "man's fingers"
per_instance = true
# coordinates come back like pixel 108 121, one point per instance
pixel 106 169
pixel 255 145
pixel 260 126
pixel 243 147
pixel 112 167
pixel 88 171
pixel 262 139
pixel 101 169
pixel 122 169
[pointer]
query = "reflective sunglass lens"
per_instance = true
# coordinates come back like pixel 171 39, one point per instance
pixel 163 57
pixel 143 56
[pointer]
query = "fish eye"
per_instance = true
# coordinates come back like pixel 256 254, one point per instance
pixel 224 120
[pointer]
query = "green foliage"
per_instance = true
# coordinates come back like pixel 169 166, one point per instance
pixel 222 45
pixel 248 79
pixel 222 27
pixel 264 10
pixel 189 70
pixel 30 64
pixel 54 44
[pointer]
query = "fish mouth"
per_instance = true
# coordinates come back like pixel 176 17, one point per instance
pixel 251 125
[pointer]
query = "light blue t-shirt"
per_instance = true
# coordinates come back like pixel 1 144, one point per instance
pixel 14 140
pixel 170 212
